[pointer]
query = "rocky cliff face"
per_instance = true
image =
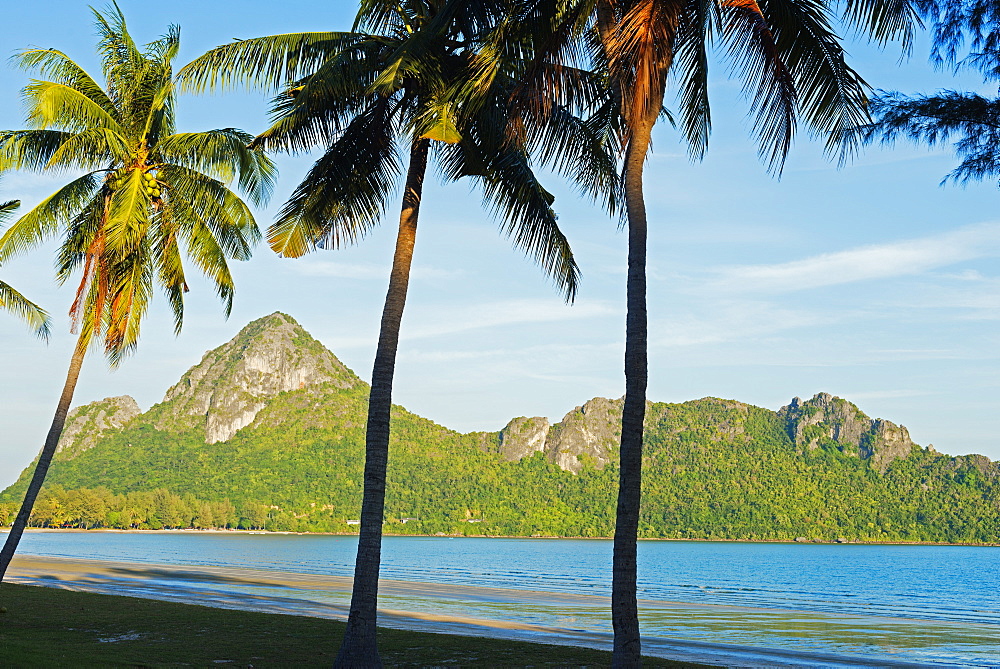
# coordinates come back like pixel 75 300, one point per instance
pixel 86 425
pixel 523 437
pixel 591 433
pixel 887 442
pixel 226 390
pixel 588 433
pixel 829 418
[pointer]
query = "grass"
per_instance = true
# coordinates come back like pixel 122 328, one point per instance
pixel 48 627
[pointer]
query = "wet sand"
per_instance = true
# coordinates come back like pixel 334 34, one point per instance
pixel 328 597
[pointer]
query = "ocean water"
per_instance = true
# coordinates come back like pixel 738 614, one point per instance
pixel 746 603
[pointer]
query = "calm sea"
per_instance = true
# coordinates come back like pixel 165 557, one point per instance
pixel 815 604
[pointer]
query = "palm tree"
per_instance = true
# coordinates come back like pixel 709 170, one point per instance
pixel 13 301
pixel 148 197
pixel 791 65
pixel 392 85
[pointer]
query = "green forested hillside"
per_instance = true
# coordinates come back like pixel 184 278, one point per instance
pixel 702 481
pixel 714 468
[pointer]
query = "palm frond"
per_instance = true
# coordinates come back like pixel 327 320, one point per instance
pixel 201 243
pixel 91 150
pixel 263 62
pixel 583 151
pixel 344 193
pixel 120 57
pixel 15 303
pixel 767 81
pixel 56 65
pixel 514 194
pixel 547 35
pixel 885 20
pixel 690 69
pixel 127 216
pixel 832 97
pixel 314 110
pixel 7 209
pixel 57 105
pixel 224 155
pixel 81 238
pixel 131 289
pixel 196 196
pixel 29 149
pixel 45 219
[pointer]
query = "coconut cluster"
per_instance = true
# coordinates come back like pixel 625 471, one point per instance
pixel 152 186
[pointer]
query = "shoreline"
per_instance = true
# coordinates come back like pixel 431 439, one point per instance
pixel 809 542
pixel 327 596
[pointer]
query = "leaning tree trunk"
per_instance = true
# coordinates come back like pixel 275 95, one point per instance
pixel 45 458
pixel 624 608
pixel 359 648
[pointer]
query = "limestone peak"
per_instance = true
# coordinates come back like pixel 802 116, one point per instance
pixel 231 384
pixel 86 425
pixel 826 417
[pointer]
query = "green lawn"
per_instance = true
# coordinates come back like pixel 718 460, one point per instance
pixel 48 627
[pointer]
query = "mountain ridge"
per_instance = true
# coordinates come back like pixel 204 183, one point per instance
pixel 273 419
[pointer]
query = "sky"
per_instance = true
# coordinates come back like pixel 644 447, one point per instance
pixel 871 281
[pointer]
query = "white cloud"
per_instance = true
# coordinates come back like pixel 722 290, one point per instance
pixel 736 321
pixel 876 261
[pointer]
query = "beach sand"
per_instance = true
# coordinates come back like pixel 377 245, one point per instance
pixel 327 597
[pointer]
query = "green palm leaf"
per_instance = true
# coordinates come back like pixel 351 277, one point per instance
pixel 344 194
pixel 13 301
pixel 44 220
pixel 263 62
pixel 223 155
pixel 54 104
pixel 58 66
pixel 36 317
pixel 29 149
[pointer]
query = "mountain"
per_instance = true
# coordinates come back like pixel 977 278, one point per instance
pixel 226 391
pixel 268 431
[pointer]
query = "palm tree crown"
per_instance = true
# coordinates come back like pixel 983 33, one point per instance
pixel 148 195
pixel 402 75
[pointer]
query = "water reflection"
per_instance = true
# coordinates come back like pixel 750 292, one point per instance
pixel 697 632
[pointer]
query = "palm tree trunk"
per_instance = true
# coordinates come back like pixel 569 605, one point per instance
pixel 45 458
pixel 624 608
pixel 359 648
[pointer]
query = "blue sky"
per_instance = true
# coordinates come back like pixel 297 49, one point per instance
pixel 871 282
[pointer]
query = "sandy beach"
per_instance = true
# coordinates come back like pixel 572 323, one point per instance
pixel 327 596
